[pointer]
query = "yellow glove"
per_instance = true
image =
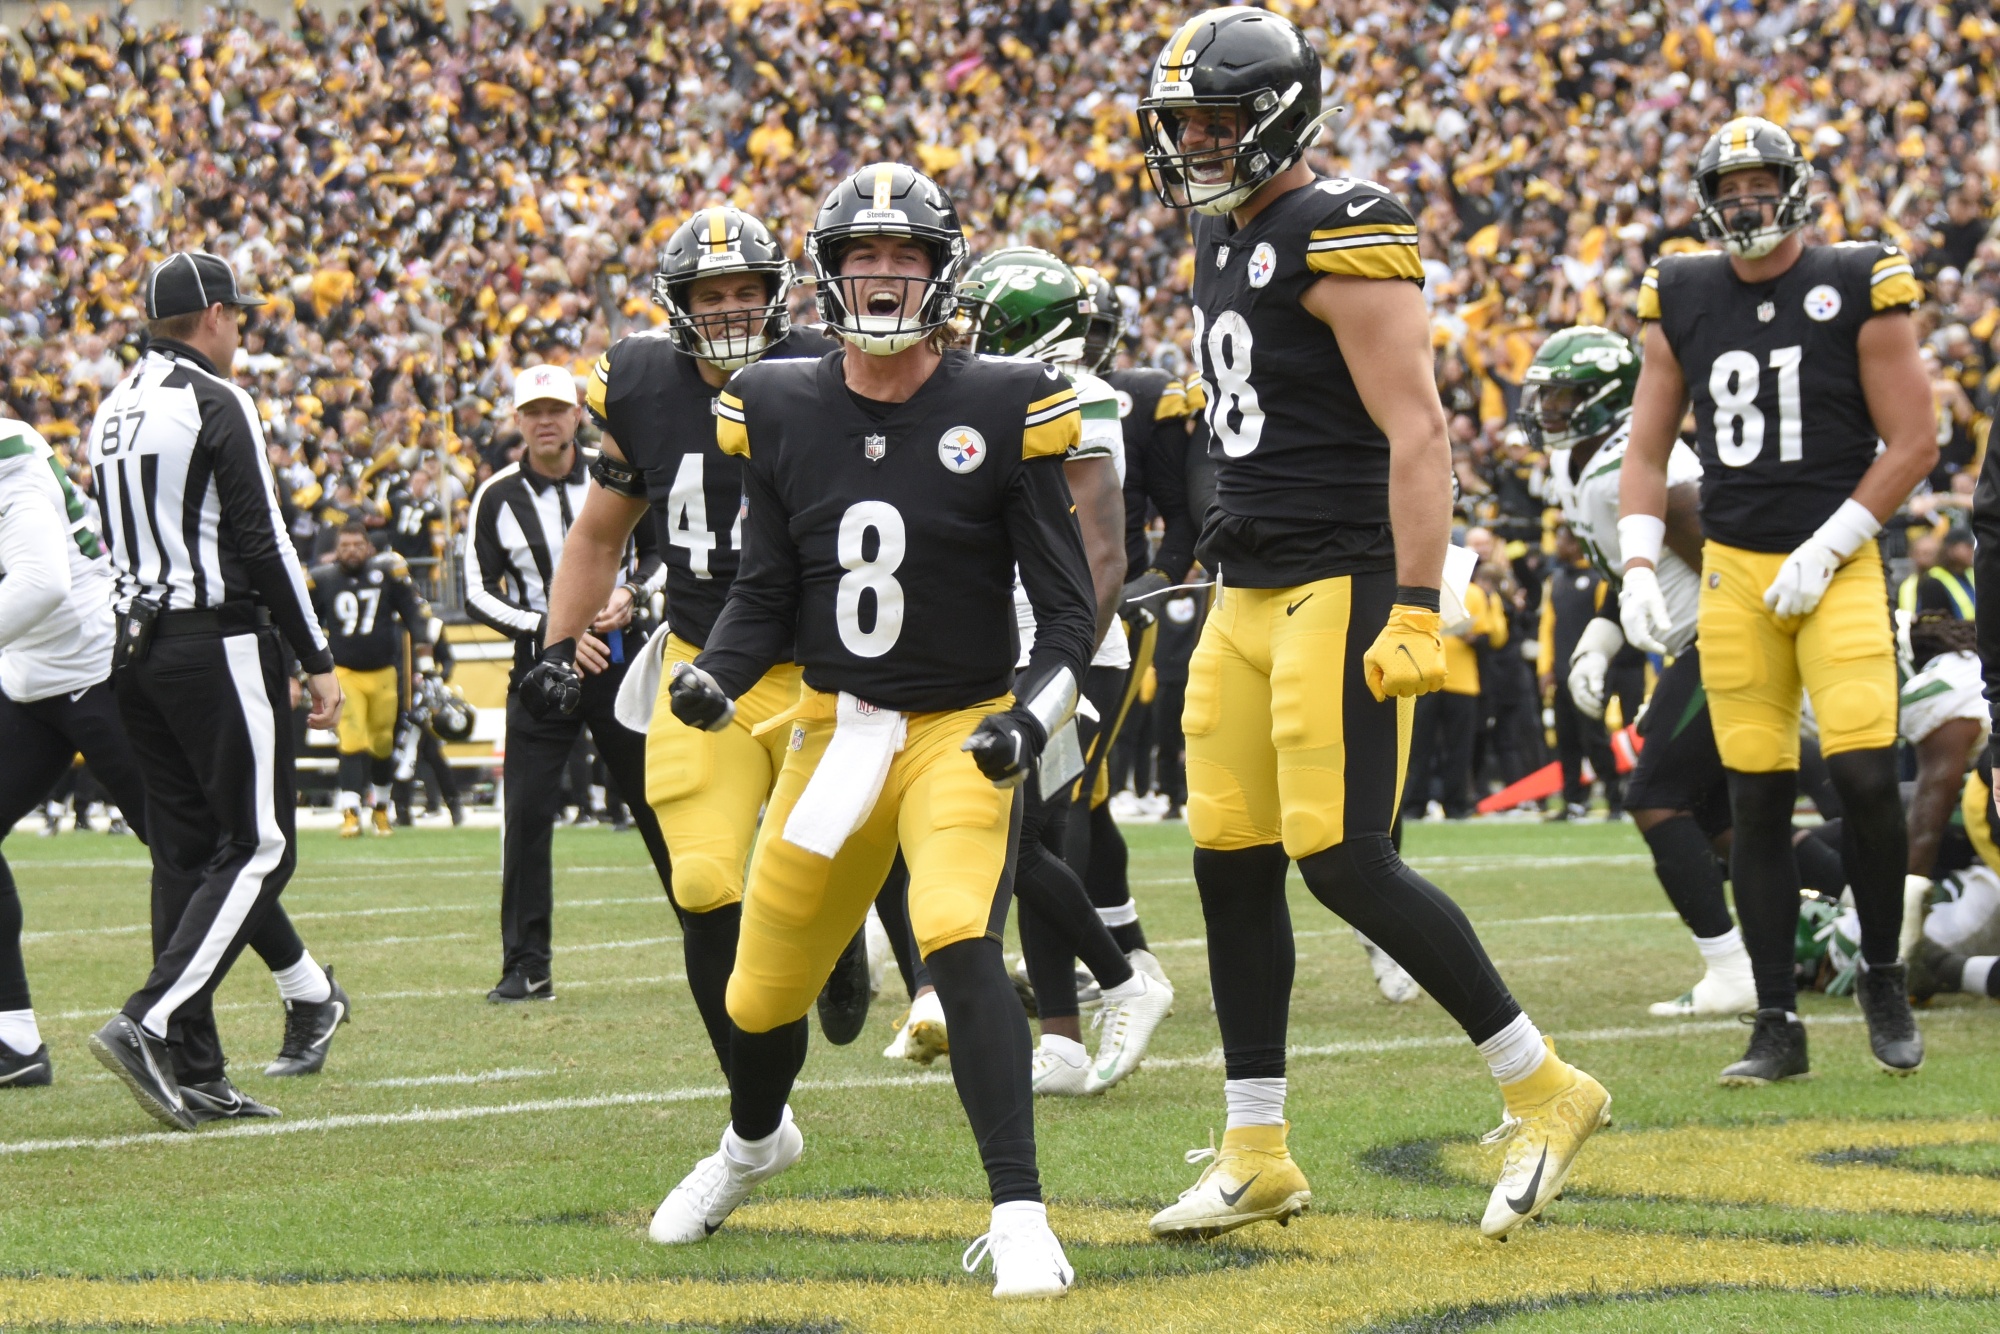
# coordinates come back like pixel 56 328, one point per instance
pixel 1407 658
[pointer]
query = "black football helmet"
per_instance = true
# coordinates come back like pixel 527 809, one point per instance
pixel 1107 319
pixel 1247 60
pixel 887 199
pixel 1739 222
pixel 724 240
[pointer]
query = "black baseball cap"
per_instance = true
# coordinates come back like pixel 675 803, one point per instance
pixel 190 281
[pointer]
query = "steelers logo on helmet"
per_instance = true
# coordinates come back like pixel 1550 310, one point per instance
pixel 724 284
pixel 1823 302
pixel 962 449
pixel 1234 99
pixel 858 252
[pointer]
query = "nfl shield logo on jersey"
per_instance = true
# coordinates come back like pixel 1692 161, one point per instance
pixel 1263 263
pixel 1823 303
pixel 1767 311
pixel 873 447
pixel 962 449
pixel 1222 257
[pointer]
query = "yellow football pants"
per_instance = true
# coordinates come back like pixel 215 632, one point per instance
pixel 1753 664
pixel 1284 741
pixel 706 788
pixel 800 909
pixel 368 717
pixel 1976 809
pixel 1098 761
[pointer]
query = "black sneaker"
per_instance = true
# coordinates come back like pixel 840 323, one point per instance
pixel 457 814
pixel 405 818
pixel 142 1061
pixel 843 1001
pixel 220 1100
pixel 23 1070
pixel 309 1030
pixel 1777 1052
pixel 518 986
pixel 1883 993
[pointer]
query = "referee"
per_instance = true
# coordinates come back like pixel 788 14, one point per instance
pixel 208 594
pixel 516 527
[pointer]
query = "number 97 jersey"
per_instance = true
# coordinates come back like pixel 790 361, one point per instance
pixel 1773 371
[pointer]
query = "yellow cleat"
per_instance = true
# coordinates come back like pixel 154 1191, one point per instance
pixel 350 824
pixel 1251 1179
pixel 382 827
pixel 1550 1113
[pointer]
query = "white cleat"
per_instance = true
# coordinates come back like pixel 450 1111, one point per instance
pixel 1145 962
pixel 1060 1068
pixel 880 953
pixel 922 1037
pixel 1397 986
pixel 1728 989
pixel 1028 1260
pixel 1129 1015
pixel 719 1183
pixel 1916 906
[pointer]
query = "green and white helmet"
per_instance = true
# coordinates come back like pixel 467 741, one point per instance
pixel 1579 388
pixel 1026 303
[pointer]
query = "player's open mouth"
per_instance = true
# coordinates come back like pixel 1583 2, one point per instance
pixel 885 304
pixel 1214 172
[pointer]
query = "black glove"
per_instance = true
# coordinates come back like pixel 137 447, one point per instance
pixel 1138 593
pixel 552 689
pixel 697 700
pixel 1005 746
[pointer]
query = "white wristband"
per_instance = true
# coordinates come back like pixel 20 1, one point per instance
pixel 1849 527
pixel 1640 537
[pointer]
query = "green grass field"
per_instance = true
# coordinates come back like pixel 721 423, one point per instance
pixel 464 1164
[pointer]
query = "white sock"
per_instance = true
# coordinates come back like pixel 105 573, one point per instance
pixel 754 1152
pixel 303 981
pixel 1132 987
pixel 1017 1214
pixel 1069 1049
pixel 1516 1051
pixel 927 1006
pixel 347 801
pixel 1978 970
pixel 1722 948
pixel 18 1030
pixel 1123 914
pixel 1254 1102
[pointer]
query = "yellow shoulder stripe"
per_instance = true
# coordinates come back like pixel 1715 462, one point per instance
pixel 1366 229
pixel 1173 402
pixel 732 436
pixel 1197 396
pixel 1649 295
pixel 1053 434
pixel 1386 257
pixel 1054 402
pixel 600 383
pixel 1895 289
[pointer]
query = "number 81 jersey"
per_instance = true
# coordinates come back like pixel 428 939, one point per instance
pixel 1773 371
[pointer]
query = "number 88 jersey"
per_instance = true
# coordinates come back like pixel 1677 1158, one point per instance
pixel 1773 371
pixel 1296 452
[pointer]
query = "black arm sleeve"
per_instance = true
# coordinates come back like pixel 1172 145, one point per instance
pixel 248 495
pixel 1986 568
pixel 757 626
pixel 1166 487
pixel 1048 547
pixel 651 574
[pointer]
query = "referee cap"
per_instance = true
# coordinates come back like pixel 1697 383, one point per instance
pixel 193 280
pixel 544 381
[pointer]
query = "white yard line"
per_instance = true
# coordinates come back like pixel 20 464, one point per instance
pixel 433 1081
pixel 370 997
pixel 330 914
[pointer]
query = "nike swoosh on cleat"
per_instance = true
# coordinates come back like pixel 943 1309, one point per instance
pixel 1292 607
pixel 22 1072
pixel 1230 1197
pixel 1527 1198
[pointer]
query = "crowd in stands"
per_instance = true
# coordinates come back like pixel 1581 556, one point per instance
pixel 434 203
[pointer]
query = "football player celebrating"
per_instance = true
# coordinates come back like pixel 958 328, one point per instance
pixel 1796 359
pixel 360 598
pixel 1328 534
pixel 725 286
pixel 1026 303
pixel 893 488
pixel 1576 405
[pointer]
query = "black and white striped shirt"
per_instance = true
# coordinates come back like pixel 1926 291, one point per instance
pixel 189 503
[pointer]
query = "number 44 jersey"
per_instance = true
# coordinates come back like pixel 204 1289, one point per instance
pixel 1774 374
pixel 1301 469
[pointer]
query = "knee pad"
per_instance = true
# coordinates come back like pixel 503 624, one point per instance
pixel 758 1005
pixel 703 883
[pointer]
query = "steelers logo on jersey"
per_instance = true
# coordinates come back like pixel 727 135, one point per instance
pixel 1263 263
pixel 1823 302
pixel 962 449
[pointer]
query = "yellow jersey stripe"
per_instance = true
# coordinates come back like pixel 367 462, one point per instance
pixel 1197 396
pixel 1649 295
pixel 1173 403
pixel 600 382
pixel 1063 395
pixel 1366 229
pixel 1053 436
pixel 1895 290
pixel 728 406
pixel 1381 260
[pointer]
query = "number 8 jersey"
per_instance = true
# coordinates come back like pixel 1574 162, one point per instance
pixel 1774 374
pixel 1302 470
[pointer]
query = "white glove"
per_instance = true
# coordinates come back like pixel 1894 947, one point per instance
pixel 1642 609
pixel 1590 661
pixel 1804 577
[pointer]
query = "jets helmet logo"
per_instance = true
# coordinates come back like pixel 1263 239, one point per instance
pixel 962 449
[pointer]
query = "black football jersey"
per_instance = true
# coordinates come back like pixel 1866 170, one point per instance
pixel 1302 470
pixel 1153 410
pixel 650 396
pixel 885 536
pixel 359 610
pixel 1774 376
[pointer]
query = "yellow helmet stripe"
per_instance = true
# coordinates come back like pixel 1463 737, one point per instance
pixel 718 231
pixel 1177 53
pixel 885 180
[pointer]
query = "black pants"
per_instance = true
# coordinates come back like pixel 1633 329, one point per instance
pixel 1170 767
pixel 538 751
pixel 1441 736
pixel 1577 736
pixel 1516 743
pixel 209 718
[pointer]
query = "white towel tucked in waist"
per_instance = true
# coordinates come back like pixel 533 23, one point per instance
pixel 842 791
pixel 640 689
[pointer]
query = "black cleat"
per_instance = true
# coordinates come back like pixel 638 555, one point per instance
pixel 220 1100
pixel 24 1070
pixel 1883 993
pixel 1777 1052
pixel 457 813
pixel 518 986
pixel 309 1030
pixel 843 1001
pixel 1933 969
pixel 142 1061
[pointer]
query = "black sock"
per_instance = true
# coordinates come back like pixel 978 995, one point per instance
pixel 1690 874
pixel 382 774
pixel 1251 958
pixel 353 773
pixel 1819 861
pixel 13 973
pixel 762 1070
pixel 708 946
pixel 1046 883
pixel 1106 875
pixel 1051 970
pixel 990 1051
pixel 1417 924
pixel 1766 878
pixel 1875 844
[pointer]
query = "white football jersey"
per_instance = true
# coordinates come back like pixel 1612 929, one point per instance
pixel 1590 505
pixel 70 649
pixel 1949 687
pixel 1103 437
